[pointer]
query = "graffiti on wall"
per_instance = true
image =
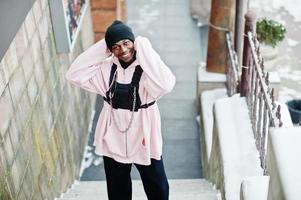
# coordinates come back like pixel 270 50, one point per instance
pixel 73 11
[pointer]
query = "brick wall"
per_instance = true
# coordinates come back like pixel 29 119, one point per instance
pixel 43 119
pixel 104 12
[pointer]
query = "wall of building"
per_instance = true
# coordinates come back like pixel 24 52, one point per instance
pixel 43 119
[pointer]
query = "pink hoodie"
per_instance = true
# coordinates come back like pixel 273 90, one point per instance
pixel 143 141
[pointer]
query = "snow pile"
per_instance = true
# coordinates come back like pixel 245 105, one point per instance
pixel 240 158
pixel 291 6
pixel 287 73
pixel 274 77
pixel 204 76
pixel 285 115
pixel 292 42
pixel 255 187
pixel 286 145
pixel 200 10
pixel 208 98
pixel 286 94
pixel 89 159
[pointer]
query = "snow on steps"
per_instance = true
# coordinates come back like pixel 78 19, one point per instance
pixel 188 189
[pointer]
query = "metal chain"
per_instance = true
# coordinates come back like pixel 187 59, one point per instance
pixel 111 95
pixel 133 110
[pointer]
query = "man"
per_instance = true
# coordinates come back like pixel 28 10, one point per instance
pixel 131 77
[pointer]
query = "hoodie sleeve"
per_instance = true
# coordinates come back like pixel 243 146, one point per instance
pixel 159 78
pixel 85 71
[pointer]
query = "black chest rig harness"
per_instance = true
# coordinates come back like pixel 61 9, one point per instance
pixel 125 96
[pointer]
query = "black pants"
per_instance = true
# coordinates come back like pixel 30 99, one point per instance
pixel 119 183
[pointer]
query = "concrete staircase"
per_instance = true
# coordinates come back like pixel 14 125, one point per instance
pixel 180 189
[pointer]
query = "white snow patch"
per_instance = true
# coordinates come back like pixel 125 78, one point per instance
pixel 286 144
pixel 237 143
pixel 198 120
pixel 97 161
pixel 204 76
pixel 208 99
pixel 285 115
pixel 292 42
pixel 255 187
pixel 297 72
pixel 288 49
pixel 286 94
pixel 281 21
pixel 292 6
pixel 284 69
pixel 274 77
pixel 291 75
pixel 89 159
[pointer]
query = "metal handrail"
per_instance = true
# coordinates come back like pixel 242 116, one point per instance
pixel 260 99
pixel 232 68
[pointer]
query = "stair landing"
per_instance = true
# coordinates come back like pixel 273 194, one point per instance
pixel 180 189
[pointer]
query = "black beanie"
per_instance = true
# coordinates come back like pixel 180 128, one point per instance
pixel 118 31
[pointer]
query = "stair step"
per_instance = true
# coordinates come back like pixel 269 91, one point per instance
pixel 171 197
pixel 188 189
pixel 175 184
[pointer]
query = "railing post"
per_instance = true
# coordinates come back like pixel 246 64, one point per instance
pixel 221 21
pixel 241 7
pixel 249 26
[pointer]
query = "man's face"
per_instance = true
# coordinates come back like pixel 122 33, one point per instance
pixel 124 50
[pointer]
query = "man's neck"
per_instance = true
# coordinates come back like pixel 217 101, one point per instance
pixel 124 65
